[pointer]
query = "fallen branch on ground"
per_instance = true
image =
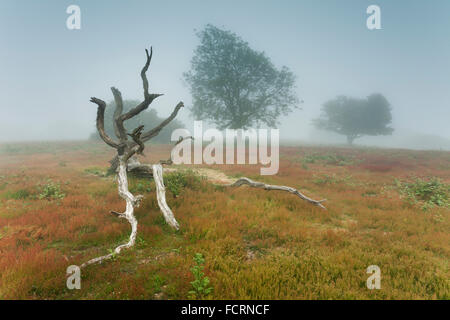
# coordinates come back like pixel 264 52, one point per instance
pixel 254 184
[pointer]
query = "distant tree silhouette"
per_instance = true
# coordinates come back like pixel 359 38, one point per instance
pixel 355 118
pixel 235 86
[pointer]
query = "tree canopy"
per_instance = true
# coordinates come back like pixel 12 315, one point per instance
pixel 148 118
pixel 355 118
pixel 235 86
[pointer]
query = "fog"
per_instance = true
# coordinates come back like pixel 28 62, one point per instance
pixel 48 73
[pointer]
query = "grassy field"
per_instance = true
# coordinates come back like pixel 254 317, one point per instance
pixel 385 207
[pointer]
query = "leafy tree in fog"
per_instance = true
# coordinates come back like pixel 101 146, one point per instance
pixel 355 118
pixel 235 86
pixel 148 118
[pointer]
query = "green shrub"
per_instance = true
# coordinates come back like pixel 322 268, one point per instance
pixel 176 181
pixel 140 242
pixel 326 179
pixel 144 187
pixel 329 159
pixel 51 191
pixel 113 253
pixel 21 194
pixel 200 285
pixel 430 193
pixel 139 185
pixel 157 283
pixel 96 171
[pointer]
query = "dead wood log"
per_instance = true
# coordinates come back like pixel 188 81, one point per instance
pixel 246 181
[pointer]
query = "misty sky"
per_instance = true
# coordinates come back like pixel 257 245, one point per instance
pixel 48 73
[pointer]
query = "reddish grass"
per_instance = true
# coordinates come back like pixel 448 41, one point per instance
pixel 257 244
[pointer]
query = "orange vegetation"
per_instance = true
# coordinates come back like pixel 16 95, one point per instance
pixel 257 244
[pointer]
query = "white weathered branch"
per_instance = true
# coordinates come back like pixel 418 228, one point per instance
pixel 161 196
pixel 254 184
pixel 131 203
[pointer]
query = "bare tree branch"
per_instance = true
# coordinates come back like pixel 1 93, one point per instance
pixel 181 139
pixel 155 131
pixel 148 135
pixel 101 122
pixel 169 161
pixel 136 136
pixel 117 214
pixel 144 70
pixel 141 107
pixel 119 128
pixel 148 98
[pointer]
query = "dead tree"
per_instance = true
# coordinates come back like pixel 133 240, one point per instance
pixel 126 161
pixel 126 150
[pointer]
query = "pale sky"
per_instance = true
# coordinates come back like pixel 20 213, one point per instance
pixel 48 73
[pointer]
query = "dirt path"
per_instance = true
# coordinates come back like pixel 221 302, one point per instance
pixel 215 176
